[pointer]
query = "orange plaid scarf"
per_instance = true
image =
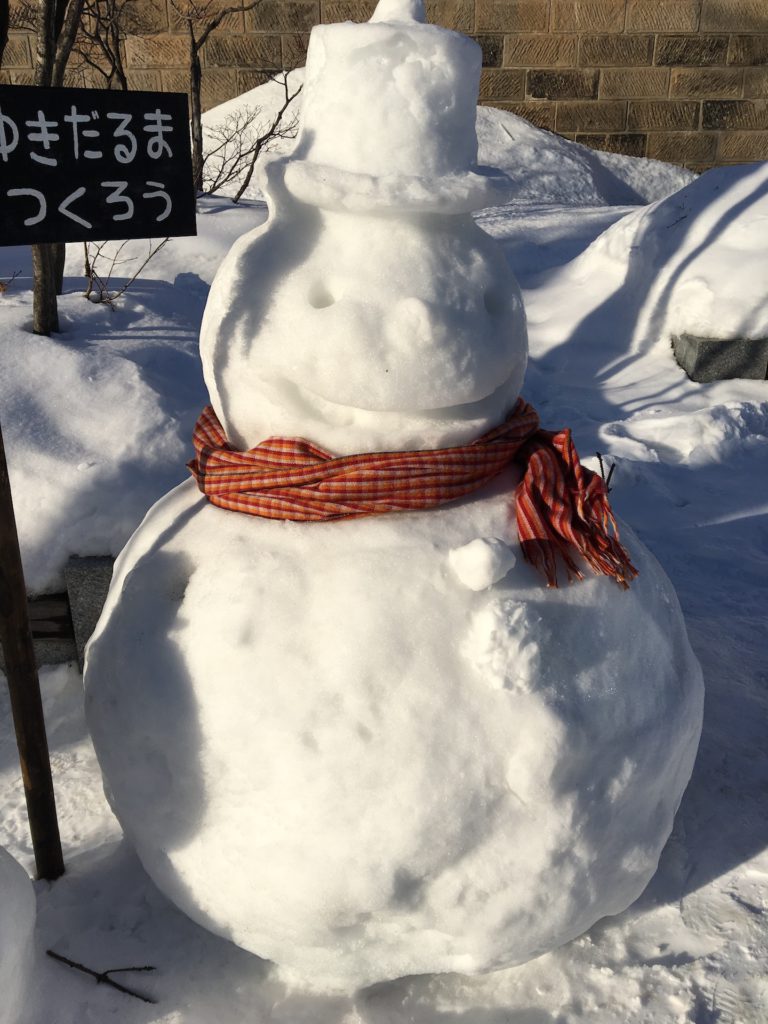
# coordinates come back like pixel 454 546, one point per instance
pixel 561 507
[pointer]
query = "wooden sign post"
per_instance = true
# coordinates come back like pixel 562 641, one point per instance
pixel 75 165
pixel 24 688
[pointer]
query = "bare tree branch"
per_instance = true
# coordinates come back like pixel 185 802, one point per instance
pixel 233 146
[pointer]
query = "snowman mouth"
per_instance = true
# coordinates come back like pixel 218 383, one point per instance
pixel 471 411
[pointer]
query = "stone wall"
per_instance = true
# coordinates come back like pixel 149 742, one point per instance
pixel 678 80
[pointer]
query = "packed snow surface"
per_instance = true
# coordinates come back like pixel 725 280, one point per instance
pixel 17 952
pixel 691 478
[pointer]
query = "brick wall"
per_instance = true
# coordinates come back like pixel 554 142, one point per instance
pixel 679 80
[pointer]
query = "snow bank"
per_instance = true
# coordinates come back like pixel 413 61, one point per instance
pixel 697 258
pixel 89 436
pixel 17 924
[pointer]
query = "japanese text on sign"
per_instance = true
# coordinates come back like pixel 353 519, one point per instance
pixel 78 164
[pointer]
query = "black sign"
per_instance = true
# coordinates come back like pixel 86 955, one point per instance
pixel 79 164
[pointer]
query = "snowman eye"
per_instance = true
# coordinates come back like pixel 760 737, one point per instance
pixel 494 301
pixel 320 296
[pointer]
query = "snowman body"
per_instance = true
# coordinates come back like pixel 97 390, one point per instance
pixel 378 747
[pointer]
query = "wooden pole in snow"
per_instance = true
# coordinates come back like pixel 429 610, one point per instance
pixel 24 688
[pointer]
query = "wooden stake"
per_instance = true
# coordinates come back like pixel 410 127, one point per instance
pixel 24 688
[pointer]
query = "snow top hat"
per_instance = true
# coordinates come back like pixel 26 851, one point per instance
pixel 388 119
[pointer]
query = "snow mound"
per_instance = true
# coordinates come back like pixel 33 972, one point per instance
pixel 547 169
pixel 17 923
pixel 543 167
pixel 694 262
pixel 328 749
pixel 91 439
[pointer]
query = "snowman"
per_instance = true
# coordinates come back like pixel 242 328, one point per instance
pixel 379 744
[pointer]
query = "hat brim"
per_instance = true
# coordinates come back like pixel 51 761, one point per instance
pixel 333 189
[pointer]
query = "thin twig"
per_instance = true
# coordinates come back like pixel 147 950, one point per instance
pixel 606 480
pixel 5 285
pixel 103 977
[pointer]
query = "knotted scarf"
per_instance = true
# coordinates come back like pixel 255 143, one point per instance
pixel 561 507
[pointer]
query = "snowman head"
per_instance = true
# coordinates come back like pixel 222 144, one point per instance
pixel 384 318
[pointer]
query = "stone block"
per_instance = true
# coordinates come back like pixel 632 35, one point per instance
pixel 615 51
pixel 709 359
pixel 458 15
pixel 248 79
pixel 231 23
pixel 496 84
pixel 82 77
pixel 346 10
pixel 742 147
pixel 492 47
pixel 647 115
pixel 283 16
pixel 682 147
pixel 542 115
pixel 144 17
pixel 21 18
pixel 626 143
pixel 633 83
pixel 156 52
pixel 511 15
pixel 87 581
pixel 746 115
pixel 595 116
pixel 50 652
pixel 735 15
pixel 148 80
pixel 559 85
pixel 748 50
pixel 756 83
pixel 253 51
pixel 18 52
pixel 25 77
pixel 663 15
pixel 547 51
pixel 294 49
pixel 720 83
pixel 588 15
pixel 218 86
pixel 175 80
pixel 699 51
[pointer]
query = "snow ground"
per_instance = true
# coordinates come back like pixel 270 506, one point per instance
pixel 96 424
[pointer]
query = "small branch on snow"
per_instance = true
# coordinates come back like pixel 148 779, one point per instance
pixel 103 977
pixel 606 479
pixel 5 285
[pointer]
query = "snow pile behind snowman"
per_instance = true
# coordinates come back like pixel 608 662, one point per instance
pixel 693 262
pixel 378 747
